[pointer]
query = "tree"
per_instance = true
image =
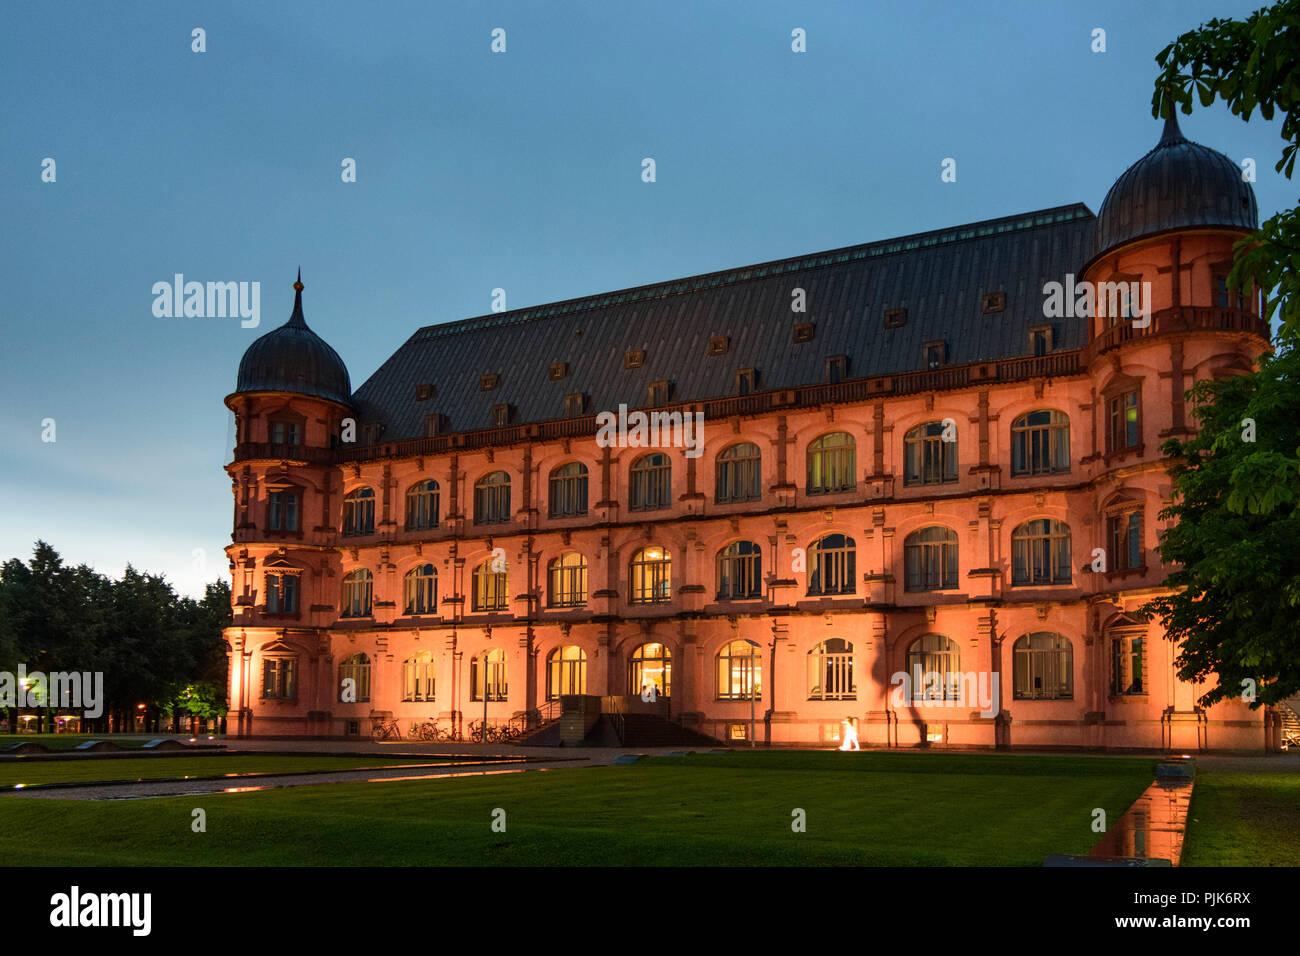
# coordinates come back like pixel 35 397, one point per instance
pixel 1236 604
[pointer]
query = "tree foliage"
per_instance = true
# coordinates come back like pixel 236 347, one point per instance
pixel 1236 495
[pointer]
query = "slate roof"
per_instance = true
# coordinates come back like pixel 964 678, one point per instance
pixel 939 277
pixel 1176 185
pixel 293 358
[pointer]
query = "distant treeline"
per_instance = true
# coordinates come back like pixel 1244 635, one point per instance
pixel 153 647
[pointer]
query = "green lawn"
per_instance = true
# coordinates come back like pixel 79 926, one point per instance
pixel 154 768
pixel 1244 819
pixel 731 809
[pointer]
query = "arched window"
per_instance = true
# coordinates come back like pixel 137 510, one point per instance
pixel 492 498
pixel 566 672
pixel 1043 667
pixel 359 512
pixel 651 574
pixel 421 586
pixel 831 561
pixel 930 559
pixel 356 594
pixel 569 490
pixel 568 581
pixel 934 668
pixel 651 665
pixel 651 482
pixel 488 672
pixel 422 505
pixel 490 587
pixel 1040 443
pixel 354 679
pixel 831 465
pixel 740 572
pixel 417 677
pixel 740 671
pixel 1040 552
pixel 927 458
pixel 738 473
pixel 830 671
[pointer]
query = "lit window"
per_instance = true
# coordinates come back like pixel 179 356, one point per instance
pixel 740 674
pixel 566 672
pixel 488 673
pixel 490 588
pixel 354 679
pixel 418 677
pixel 936 660
pixel 651 575
pixel 831 464
pixel 1123 431
pixel 651 665
pixel 830 671
pixel 568 580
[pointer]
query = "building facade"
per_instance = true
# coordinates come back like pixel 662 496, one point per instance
pixel 912 483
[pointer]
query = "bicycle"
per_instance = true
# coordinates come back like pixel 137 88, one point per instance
pixel 385 730
pixel 425 731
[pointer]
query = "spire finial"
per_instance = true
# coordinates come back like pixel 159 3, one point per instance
pixel 296 318
pixel 1171 134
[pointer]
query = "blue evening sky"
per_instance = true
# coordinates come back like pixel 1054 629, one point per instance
pixel 478 170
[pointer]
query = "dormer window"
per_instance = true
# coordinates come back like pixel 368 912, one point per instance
pixel 719 345
pixel 837 368
pixel 992 302
pixel 895 318
pixel 935 354
pixel 745 381
pixel 659 393
pixel 634 358
pixel 488 382
pixel 1040 340
pixel 557 371
pixel 424 392
pixel 575 404
pixel 500 416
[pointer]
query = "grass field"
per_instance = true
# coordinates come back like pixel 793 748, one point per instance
pixel 155 768
pixel 1244 819
pixel 729 809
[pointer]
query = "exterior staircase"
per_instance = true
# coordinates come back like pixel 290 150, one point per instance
pixel 650 730
pixel 1289 710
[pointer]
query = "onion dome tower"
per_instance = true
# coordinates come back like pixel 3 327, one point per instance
pixel 1177 185
pixel 295 359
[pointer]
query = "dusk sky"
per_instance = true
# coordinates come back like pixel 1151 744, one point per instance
pixel 477 170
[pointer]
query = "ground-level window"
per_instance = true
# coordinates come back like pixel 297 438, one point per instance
pixel 566 672
pixel 354 679
pixel 934 667
pixel 651 665
pixel 1128 663
pixel 417 677
pixel 1043 666
pixel 830 671
pixel 279 678
pixel 488 672
pixel 740 671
